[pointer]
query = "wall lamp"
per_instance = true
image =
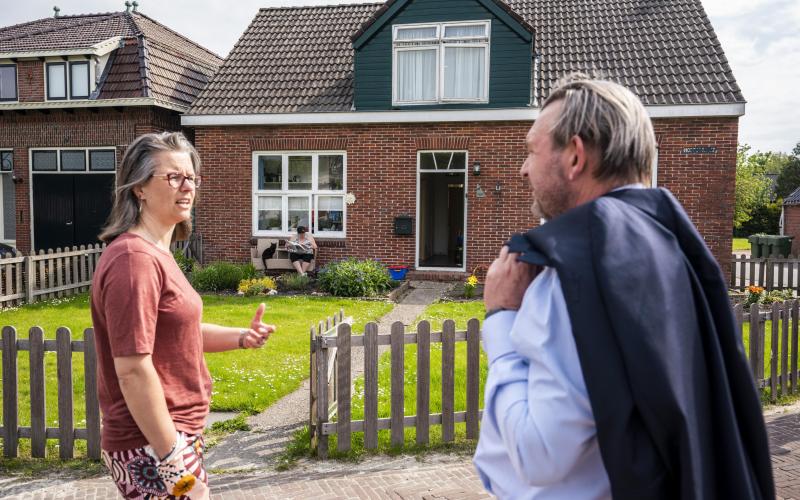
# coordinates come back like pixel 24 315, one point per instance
pixel 476 169
pixel 15 179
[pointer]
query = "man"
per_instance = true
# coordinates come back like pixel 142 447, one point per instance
pixel 615 369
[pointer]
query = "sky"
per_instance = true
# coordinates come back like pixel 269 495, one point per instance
pixel 761 39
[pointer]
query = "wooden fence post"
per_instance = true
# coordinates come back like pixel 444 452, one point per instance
pixel 30 279
pixel 92 401
pixel 38 391
pixel 473 376
pixel 65 413
pixel 312 399
pixel 322 398
pixel 10 395
pixel 448 380
pixel 755 340
pixel 773 357
pixel 398 389
pixel 794 367
pixel 423 381
pixel 343 381
pixel 371 386
pixel 784 351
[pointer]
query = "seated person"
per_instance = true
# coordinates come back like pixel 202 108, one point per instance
pixel 301 250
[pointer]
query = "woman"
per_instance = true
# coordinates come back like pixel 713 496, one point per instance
pixel 154 385
pixel 301 250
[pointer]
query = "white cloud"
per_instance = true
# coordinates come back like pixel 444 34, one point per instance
pixel 761 39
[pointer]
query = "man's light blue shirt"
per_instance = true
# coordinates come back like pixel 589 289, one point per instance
pixel 538 437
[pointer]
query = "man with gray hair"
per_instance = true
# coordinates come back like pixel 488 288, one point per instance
pixel 614 366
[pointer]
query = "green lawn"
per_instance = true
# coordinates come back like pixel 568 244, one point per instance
pixel 244 380
pixel 461 312
pixel 740 244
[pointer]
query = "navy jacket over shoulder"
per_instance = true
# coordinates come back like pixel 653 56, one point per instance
pixel 677 412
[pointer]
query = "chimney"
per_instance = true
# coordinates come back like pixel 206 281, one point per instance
pixel 135 5
pixel 127 6
pixel 56 10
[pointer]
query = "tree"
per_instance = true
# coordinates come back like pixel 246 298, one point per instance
pixel 752 185
pixel 789 178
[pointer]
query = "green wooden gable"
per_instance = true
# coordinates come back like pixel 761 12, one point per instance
pixel 510 53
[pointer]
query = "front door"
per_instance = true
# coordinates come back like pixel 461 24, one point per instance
pixel 70 209
pixel 441 189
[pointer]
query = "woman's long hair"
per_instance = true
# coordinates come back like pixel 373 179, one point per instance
pixel 138 166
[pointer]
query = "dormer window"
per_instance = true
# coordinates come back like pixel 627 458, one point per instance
pixel 68 79
pixel 8 82
pixel 441 63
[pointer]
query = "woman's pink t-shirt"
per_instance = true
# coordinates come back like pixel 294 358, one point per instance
pixel 143 304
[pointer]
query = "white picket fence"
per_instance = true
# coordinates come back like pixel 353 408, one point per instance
pixel 47 275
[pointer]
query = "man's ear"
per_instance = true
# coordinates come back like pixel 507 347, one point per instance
pixel 577 159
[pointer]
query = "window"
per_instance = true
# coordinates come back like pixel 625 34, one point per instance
pixel 6 161
pixel 447 62
pixel 299 189
pixel 79 80
pixel 102 160
pixel 56 81
pixel 68 79
pixel 73 160
pixel 443 160
pixel 8 82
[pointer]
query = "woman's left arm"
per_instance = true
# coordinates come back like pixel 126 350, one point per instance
pixel 218 338
pixel 313 241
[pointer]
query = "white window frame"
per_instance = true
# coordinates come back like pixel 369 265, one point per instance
pixel 441 44
pixel 67 63
pixel 6 176
pixel 285 193
pixel 421 171
pixel 58 170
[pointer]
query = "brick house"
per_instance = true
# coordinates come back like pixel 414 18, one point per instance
pixel 790 219
pixel 419 110
pixel 74 92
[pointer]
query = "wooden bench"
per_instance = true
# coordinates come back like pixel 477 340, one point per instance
pixel 280 259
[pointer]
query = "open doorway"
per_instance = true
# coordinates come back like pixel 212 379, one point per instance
pixel 441 210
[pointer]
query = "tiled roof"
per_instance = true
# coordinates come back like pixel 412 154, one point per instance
pixel 154 61
pixel 793 199
pixel 301 59
pixel 289 60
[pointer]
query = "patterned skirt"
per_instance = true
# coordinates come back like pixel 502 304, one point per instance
pixel 136 476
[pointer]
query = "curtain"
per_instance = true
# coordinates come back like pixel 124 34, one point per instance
pixel 328 203
pixel 406 34
pixel 416 75
pixel 468 31
pixel 56 81
pixel 79 79
pixel 464 72
pixel 8 83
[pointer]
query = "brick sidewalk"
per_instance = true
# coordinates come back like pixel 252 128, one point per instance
pixel 435 477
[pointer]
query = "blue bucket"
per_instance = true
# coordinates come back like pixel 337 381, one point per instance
pixel 398 273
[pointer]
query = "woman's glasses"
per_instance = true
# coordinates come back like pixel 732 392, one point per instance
pixel 176 180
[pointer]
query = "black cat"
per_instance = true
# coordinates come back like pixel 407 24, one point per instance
pixel 268 253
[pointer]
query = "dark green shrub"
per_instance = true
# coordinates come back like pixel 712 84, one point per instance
pixel 186 264
pixel 219 276
pixel 354 278
pixel 294 281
